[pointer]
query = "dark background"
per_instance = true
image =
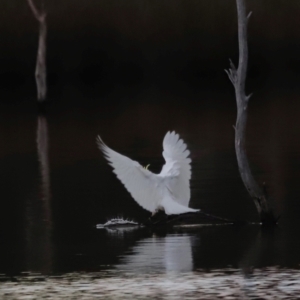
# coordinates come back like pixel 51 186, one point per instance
pixel 96 46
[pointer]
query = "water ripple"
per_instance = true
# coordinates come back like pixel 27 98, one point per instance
pixel 267 283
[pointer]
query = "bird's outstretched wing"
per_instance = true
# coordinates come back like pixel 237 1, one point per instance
pixel 177 164
pixel 141 183
pixel 150 190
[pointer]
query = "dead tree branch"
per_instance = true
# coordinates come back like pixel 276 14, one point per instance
pixel 238 79
pixel 40 70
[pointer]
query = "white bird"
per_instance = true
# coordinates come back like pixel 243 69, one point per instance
pixel 169 190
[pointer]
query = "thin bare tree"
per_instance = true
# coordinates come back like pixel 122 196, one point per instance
pixel 40 70
pixel 238 79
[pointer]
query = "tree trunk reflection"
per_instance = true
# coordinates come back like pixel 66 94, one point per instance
pixel 39 216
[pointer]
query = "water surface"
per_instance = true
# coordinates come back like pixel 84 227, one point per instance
pixel 56 187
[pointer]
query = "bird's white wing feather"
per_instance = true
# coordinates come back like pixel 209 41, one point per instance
pixel 152 191
pixel 142 184
pixel 177 164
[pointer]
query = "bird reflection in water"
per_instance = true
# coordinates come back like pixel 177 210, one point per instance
pixel 172 253
pixel 39 219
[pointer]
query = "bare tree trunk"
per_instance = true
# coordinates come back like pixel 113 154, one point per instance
pixel 40 71
pixel 238 79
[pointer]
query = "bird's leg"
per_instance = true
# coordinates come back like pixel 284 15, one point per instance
pixel 155 212
pixel 158 217
pixel 155 215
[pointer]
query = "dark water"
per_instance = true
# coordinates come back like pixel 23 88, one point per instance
pixel 56 186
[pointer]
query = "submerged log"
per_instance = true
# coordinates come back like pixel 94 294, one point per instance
pixel 238 79
pixel 188 219
pixel 162 221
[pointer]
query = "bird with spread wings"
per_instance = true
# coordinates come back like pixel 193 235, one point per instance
pixel 169 190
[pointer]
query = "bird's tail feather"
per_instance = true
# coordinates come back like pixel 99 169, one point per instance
pixel 173 208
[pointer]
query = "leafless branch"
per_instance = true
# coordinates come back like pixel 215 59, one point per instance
pixel 37 14
pixel 40 70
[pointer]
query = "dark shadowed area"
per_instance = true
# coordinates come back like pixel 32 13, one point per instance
pixel 130 71
pixel 97 46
